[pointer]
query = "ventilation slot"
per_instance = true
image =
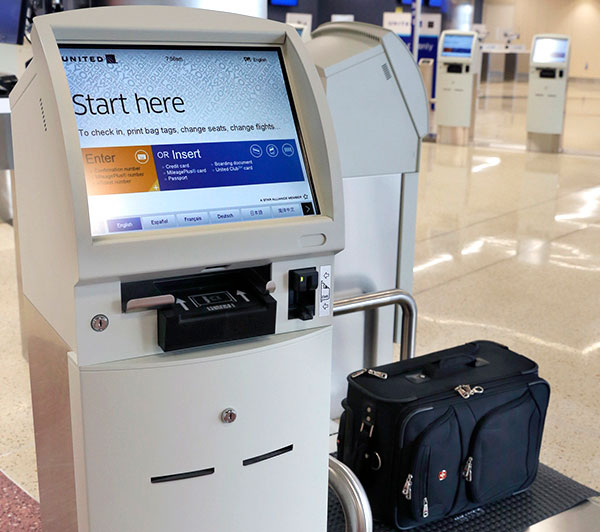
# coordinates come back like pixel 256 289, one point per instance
pixel 267 456
pixel 44 123
pixel 386 71
pixel 183 476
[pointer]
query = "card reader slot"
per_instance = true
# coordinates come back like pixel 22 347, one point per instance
pixel 183 476
pixel 268 456
pixel 549 73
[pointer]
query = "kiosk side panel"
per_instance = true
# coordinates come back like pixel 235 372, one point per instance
pixel 44 213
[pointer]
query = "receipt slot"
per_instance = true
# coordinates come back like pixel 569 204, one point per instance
pixel 178 208
pixel 380 113
pixel 456 94
pixel 548 80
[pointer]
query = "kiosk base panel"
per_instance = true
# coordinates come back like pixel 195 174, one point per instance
pixel 544 143
pixel 457 136
pixel 161 453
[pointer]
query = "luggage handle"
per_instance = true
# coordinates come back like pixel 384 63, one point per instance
pixel 452 364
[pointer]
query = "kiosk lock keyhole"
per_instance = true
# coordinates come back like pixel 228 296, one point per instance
pixel 303 287
pixel 228 415
pixel 99 322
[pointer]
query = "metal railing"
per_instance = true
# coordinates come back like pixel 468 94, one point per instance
pixel 352 497
pixel 371 302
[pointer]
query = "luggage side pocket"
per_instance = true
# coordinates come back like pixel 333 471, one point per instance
pixel 432 477
pixel 503 457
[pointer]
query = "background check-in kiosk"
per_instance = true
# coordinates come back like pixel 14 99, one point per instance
pixel 380 113
pixel 178 208
pixel 548 80
pixel 456 95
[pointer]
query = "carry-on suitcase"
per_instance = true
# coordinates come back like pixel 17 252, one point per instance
pixel 444 433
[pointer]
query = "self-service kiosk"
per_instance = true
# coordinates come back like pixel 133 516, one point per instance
pixel 380 113
pixel 178 208
pixel 456 95
pixel 548 79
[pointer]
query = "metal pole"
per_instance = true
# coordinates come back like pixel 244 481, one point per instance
pixel 416 17
pixel 376 300
pixel 352 497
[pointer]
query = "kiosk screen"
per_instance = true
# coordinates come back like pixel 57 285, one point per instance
pixel 457 46
pixel 547 50
pixel 186 136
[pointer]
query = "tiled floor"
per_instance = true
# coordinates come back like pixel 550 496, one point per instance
pixel 508 248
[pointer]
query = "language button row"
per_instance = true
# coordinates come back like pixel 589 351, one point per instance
pixel 165 221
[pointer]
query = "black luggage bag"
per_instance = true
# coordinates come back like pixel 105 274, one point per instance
pixel 444 433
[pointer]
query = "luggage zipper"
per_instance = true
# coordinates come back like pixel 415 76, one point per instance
pixel 407 489
pixel 426 406
pixel 374 373
pixel 468 470
pixel 465 390
pixel 425 508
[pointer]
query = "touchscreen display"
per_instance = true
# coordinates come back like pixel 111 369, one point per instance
pixel 457 46
pixel 189 136
pixel 550 50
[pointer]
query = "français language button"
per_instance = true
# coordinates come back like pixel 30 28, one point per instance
pixel 159 222
pixel 124 224
pixel 289 209
pixel 225 216
pixel 256 213
pixel 193 218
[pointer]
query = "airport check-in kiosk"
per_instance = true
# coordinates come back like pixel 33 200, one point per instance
pixel 178 208
pixel 548 80
pixel 380 113
pixel 456 95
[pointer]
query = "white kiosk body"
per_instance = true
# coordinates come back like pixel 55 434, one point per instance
pixel 178 207
pixel 380 113
pixel 458 67
pixel 548 80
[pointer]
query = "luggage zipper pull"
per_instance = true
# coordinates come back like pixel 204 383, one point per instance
pixel 465 390
pixel 379 374
pixel 358 373
pixel 425 508
pixel 407 489
pixel 468 470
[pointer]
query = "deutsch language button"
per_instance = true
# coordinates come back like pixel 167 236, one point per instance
pixel 225 216
pixel 124 224
pixel 193 218
pixel 159 222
